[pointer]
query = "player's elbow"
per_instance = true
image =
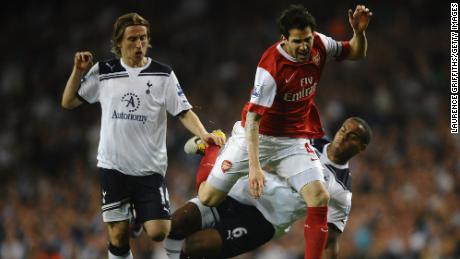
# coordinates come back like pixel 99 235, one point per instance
pixel 207 199
pixel 66 105
pixel 357 55
pixel 69 104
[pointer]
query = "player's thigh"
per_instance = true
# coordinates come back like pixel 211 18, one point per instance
pixel 115 195
pixel 118 232
pixel 186 220
pixel 300 169
pixel 241 228
pixel 231 164
pixel 150 198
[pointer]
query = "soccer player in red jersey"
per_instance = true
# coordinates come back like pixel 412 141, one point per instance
pixel 281 115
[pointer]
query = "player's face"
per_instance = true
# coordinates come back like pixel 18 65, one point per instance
pixel 135 42
pixel 299 43
pixel 348 139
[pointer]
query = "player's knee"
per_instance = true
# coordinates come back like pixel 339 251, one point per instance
pixel 315 196
pixel 323 198
pixel 207 198
pixel 158 235
pixel 157 230
pixel 210 196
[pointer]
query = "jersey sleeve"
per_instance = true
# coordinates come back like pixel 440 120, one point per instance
pixel 263 93
pixel 338 50
pixel 176 102
pixel 89 86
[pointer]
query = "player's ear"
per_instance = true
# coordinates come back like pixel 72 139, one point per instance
pixel 283 38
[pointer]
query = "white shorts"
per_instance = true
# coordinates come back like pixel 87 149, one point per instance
pixel 291 158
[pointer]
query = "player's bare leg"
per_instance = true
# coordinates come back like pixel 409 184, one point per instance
pixel 187 237
pixel 119 240
pixel 187 219
pixel 157 230
pixel 210 196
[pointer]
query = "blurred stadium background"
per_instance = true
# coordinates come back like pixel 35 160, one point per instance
pixel 406 201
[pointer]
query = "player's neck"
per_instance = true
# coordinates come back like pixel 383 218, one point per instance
pixel 134 63
pixel 334 156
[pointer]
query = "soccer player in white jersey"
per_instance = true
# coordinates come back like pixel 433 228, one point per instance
pixel 134 92
pixel 240 223
pixel 281 116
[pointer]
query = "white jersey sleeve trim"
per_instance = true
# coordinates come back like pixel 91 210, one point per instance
pixel 264 88
pixel 333 48
pixel 175 99
pixel 89 87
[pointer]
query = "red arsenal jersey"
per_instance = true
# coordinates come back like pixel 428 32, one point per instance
pixel 284 89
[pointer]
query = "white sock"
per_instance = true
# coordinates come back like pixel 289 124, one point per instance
pixel 173 248
pixel 127 256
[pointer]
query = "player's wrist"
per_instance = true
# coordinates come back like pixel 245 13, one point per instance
pixel 78 72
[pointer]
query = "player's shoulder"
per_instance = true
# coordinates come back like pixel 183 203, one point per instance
pixel 110 66
pixel 319 143
pixel 156 68
pixel 320 40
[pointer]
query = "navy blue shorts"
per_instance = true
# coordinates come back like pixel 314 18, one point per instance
pixel 121 193
pixel 242 228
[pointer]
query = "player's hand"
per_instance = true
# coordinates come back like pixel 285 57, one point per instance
pixel 210 138
pixel 83 61
pixel 256 182
pixel 359 19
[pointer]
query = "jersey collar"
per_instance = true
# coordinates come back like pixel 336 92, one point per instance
pixel 285 54
pixel 149 60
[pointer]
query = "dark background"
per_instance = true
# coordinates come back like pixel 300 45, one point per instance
pixel 406 196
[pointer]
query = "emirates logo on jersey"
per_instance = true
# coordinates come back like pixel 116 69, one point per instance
pixel 226 165
pixel 300 95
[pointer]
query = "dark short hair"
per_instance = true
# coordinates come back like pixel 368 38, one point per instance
pixel 367 135
pixel 295 17
pixel 120 26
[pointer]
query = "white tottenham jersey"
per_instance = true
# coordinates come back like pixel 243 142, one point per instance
pixel 134 103
pixel 282 206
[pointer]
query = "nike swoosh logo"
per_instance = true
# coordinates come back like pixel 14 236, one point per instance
pixel 289 79
pixel 324 230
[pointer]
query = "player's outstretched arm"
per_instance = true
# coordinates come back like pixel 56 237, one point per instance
pixel 191 121
pixel 256 175
pixel 359 20
pixel 82 63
